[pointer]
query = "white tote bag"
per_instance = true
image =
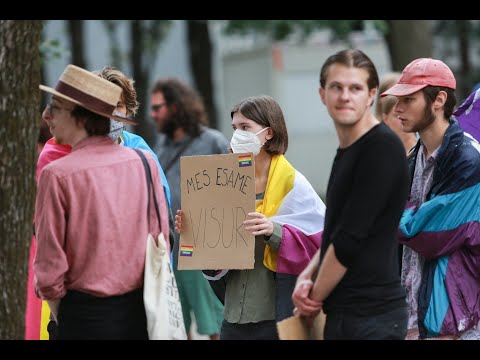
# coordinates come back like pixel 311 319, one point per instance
pixel 160 293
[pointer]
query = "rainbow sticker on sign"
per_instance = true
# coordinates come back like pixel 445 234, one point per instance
pixel 186 250
pixel 244 160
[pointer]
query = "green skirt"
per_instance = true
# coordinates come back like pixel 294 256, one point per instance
pixel 197 296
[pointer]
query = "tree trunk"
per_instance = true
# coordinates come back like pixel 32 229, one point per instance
pixel 464 86
pixel 19 79
pixel 201 64
pixel 75 30
pixel 145 127
pixel 408 40
pixel 43 80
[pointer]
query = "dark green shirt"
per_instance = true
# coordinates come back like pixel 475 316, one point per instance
pixel 250 294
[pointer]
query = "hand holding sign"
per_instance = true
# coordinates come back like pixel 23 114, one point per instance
pixel 258 224
pixel 178 221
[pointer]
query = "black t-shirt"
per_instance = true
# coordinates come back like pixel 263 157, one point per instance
pixel 366 195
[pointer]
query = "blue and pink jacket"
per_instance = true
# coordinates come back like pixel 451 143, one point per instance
pixel 446 231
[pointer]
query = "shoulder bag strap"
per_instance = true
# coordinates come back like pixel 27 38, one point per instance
pixel 150 187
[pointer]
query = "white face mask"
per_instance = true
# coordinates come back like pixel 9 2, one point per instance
pixel 246 141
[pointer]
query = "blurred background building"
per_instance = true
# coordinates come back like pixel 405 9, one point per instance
pixel 251 60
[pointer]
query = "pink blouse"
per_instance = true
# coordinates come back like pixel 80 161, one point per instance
pixel 92 227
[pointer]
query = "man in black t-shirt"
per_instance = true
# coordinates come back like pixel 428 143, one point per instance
pixel 358 284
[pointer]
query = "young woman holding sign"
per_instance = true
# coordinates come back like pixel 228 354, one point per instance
pixel 287 226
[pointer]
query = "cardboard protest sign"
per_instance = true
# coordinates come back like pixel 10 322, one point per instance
pixel 218 191
pixel 295 328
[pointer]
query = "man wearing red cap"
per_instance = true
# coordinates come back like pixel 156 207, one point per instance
pixel 440 228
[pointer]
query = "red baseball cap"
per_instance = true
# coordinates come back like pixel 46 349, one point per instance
pixel 419 74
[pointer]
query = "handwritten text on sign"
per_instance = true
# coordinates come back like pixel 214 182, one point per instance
pixel 217 193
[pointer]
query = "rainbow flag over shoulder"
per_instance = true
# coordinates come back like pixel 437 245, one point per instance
pixel 291 201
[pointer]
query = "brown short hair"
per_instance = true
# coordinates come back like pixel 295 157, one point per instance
pixel 351 58
pixel 94 123
pixel 264 110
pixel 430 93
pixel 129 94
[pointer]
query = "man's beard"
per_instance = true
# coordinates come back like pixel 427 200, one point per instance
pixel 169 127
pixel 427 120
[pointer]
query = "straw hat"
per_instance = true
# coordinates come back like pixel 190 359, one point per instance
pixel 90 91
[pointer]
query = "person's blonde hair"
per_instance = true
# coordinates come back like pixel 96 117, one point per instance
pixel 129 94
pixel 385 105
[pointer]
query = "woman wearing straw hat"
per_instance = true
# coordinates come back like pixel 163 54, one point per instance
pixel 88 265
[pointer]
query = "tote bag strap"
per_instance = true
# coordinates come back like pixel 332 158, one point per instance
pixel 151 188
